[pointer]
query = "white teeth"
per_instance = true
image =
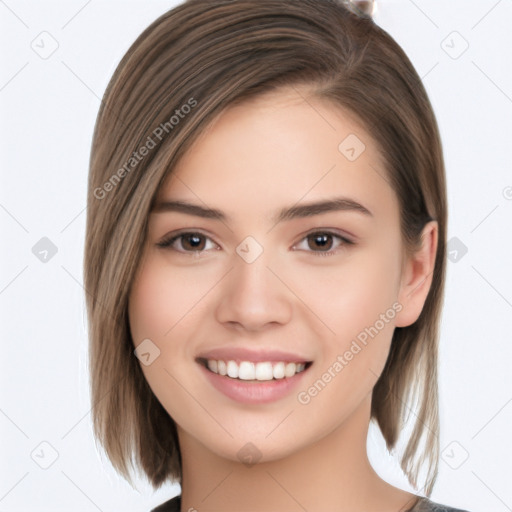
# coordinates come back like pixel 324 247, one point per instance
pixel 232 370
pixel 247 370
pixel 278 371
pixel 264 371
pixel 289 370
pixel 221 367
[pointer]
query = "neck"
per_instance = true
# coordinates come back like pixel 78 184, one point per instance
pixel 333 473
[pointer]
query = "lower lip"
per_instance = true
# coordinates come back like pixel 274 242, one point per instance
pixel 247 392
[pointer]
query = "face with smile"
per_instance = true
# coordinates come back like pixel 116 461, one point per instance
pixel 269 244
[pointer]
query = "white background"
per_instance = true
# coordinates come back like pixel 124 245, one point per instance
pixel 48 109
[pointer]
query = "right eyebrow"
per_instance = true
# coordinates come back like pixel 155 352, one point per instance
pixel 189 209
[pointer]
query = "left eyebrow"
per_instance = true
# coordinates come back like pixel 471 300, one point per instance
pixel 311 209
pixel 286 214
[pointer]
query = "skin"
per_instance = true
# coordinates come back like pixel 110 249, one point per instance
pixel 273 152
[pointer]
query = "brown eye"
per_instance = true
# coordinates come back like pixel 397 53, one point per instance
pixel 188 242
pixel 322 241
pixel 193 242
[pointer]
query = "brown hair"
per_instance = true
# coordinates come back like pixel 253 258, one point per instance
pixel 181 72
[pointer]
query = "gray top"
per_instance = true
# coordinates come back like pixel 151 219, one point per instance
pixel 425 505
pixel 422 505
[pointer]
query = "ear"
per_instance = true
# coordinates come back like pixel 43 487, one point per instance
pixel 417 275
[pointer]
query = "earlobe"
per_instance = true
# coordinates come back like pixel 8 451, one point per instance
pixel 417 277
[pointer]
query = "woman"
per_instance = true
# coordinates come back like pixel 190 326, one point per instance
pixel 265 259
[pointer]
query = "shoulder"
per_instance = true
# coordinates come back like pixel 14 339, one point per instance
pixel 173 505
pixel 425 505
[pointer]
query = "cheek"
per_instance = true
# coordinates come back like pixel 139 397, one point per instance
pixel 166 306
pixel 160 298
pixel 370 291
pixel 147 307
pixel 157 304
pixel 349 297
pixel 358 303
pixel 360 308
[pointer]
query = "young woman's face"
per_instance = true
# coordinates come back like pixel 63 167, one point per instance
pixel 318 284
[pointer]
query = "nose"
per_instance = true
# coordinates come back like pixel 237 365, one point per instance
pixel 253 295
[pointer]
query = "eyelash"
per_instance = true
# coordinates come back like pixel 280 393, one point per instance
pixel 168 242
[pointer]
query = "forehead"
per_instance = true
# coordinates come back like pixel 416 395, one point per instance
pixel 278 149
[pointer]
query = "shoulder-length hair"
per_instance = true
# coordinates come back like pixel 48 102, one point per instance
pixel 180 73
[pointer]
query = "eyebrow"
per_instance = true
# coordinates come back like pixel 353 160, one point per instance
pixel 286 214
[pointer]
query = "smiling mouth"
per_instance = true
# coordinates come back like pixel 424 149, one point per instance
pixel 254 371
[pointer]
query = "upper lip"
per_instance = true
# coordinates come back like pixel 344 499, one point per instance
pixel 255 356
